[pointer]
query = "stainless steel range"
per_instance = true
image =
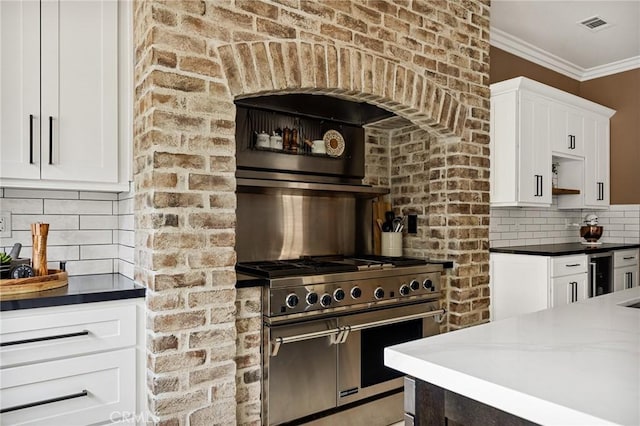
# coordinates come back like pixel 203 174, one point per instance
pixel 326 323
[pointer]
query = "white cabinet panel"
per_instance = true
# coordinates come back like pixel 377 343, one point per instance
pixel 80 90
pixel 568 289
pixel 73 391
pixel 569 265
pixel 520 148
pixel 625 269
pixel 567 134
pixel 40 336
pixel 596 163
pixel 19 89
pixel 625 277
pixel 66 94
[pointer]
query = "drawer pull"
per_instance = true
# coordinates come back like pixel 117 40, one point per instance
pixel 45 401
pixel 629 257
pixel 42 339
pixel 572 265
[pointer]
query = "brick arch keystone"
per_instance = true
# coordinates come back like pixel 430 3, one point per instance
pixel 261 68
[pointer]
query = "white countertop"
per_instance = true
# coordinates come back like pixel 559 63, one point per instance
pixel 573 365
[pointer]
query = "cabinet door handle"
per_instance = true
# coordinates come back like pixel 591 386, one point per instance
pixel 30 138
pixel 45 338
pixel 50 140
pixel 45 401
pixel 629 279
pixel 538 185
pixel 600 191
pixel 593 278
pixel 572 142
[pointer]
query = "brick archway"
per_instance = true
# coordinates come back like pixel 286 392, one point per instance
pixel 424 61
pixel 262 68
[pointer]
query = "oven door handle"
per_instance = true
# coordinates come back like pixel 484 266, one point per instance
pixel 336 334
pixel 439 314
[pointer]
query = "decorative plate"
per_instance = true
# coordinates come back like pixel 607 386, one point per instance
pixel 334 142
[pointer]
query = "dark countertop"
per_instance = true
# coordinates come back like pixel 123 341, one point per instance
pixel 81 289
pixel 244 280
pixel 562 249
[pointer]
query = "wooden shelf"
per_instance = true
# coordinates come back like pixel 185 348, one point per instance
pixel 564 191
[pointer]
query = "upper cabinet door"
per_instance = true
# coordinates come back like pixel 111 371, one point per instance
pixel 534 157
pixel 80 91
pixel 567 133
pixel 19 89
pixel 596 191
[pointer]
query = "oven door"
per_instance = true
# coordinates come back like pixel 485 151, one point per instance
pixel 300 369
pixel 361 369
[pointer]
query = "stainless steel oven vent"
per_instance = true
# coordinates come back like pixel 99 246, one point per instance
pixel 595 23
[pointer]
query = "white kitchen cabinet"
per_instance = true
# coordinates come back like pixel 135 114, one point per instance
pixel 65 90
pixel 567 132
pixel 520 147
pixel 625 269
pixel 596 190
pixel 521 284
pixel 534 125
pixel 569 289
pixel 75 364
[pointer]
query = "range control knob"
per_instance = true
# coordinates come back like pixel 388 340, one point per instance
pixel 415 285
pixel 378 293
pixel 325 300
pixel 428 284
pixel 356 292
pixel 404 290
pixel 312 298
pixel 292 300
pixel 338 294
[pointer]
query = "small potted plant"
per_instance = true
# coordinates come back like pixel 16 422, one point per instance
pixel 5 265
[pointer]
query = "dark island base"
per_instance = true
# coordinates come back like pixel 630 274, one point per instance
pixel 437 406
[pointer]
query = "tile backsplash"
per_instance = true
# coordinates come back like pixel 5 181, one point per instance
pixel 92 231
pixel 525 226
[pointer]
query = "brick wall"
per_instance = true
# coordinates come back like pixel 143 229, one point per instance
pixel 426 61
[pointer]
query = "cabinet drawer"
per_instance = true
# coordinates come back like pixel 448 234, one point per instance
pixel 568 265
pixel 625 258
pixel 30 335
pixel 75 391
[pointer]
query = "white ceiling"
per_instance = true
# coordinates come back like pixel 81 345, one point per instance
pixel 547 32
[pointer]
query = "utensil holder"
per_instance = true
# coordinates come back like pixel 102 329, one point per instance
pixel 39 232
pixel 391 244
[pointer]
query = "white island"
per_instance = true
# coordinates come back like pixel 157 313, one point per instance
pixel 573 365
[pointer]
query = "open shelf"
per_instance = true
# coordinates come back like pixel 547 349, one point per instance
pixel 564 191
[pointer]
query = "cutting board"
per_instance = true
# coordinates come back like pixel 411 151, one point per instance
pixel 54 279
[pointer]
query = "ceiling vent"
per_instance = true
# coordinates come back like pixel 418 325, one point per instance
pixel 595 23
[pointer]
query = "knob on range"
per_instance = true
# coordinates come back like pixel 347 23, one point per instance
pixel 404 290
pixel 428 284
pixel 312 298
pixel 325 300
pixel 292 300
pixel 356 292
pixel 378 293
pixel 338 294
pixel 415 285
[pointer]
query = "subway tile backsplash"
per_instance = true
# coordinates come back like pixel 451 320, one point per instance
pixel 92 231
pixel 525 226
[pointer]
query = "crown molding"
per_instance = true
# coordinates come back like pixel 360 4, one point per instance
pixel 522 49
pixel 612 68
